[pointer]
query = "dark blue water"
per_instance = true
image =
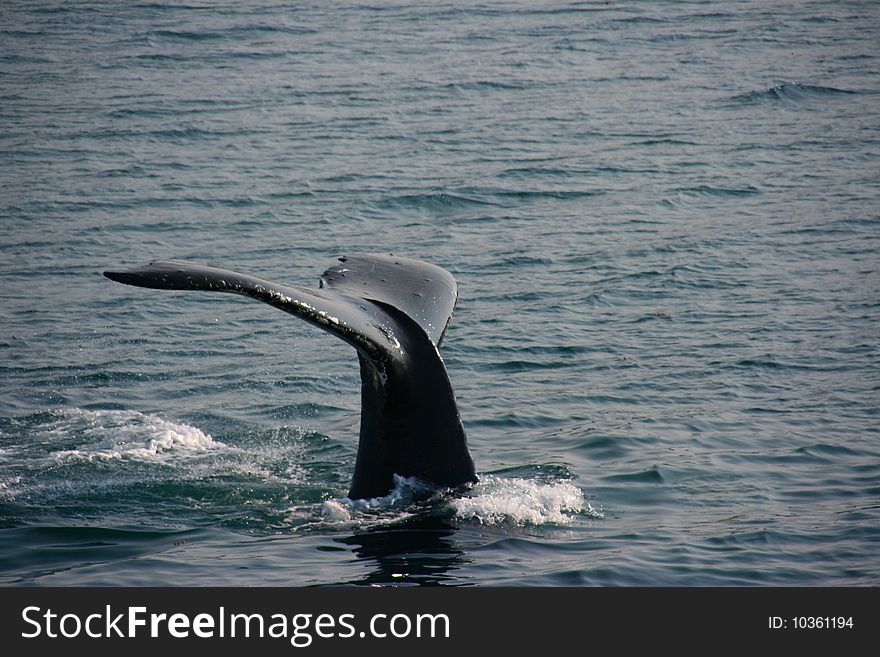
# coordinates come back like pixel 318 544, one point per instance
pixel 664 218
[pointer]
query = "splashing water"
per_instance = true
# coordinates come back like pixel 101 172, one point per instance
pixel 121 461
pixel 406 491
pixel 127 434
pixel 78 438
pixel 496 500
pixel 398 505
pixel 493 501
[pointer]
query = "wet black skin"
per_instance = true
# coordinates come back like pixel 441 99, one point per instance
pixel 394 312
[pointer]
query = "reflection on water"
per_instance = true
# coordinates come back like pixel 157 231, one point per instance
pixel 420 551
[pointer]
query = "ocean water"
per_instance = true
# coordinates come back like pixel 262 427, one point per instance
pixel 664 218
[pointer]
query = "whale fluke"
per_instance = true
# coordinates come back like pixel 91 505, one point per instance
pixel 394 312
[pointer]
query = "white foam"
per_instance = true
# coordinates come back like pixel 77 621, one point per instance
pixel 496 500
pixel 344 512
pixel 129 434
pixel 335 511
pixel 406 490
pixel 492 501
pixel 8 488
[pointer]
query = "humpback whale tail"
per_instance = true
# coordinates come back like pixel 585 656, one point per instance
pixel 394 312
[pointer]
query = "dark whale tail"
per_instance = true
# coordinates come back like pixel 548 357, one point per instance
pixel 394 312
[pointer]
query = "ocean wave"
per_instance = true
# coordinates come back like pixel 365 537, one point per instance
pixel 433 201
pixel 686 195
pixel 791 91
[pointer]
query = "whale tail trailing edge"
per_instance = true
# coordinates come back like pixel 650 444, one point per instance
pixel 394 312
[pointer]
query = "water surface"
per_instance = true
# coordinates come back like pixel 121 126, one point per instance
pixel 663 217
